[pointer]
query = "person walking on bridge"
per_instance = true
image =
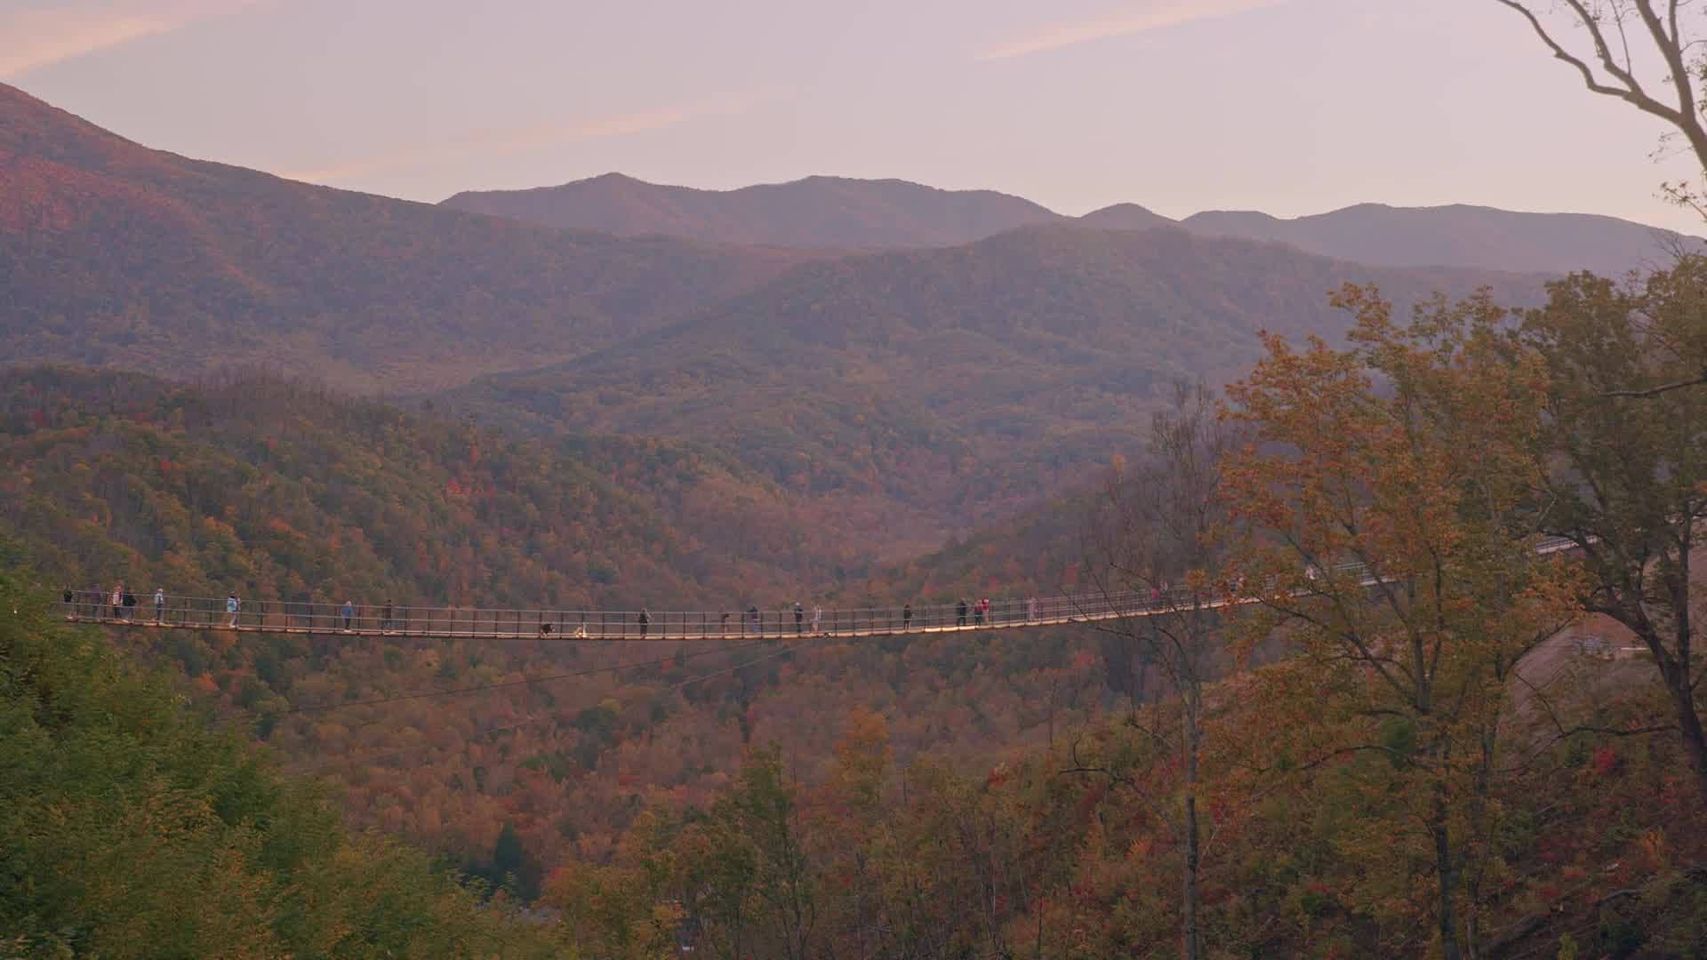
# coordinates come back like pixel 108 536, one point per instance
pixel 758 620
pixel 159 604
pixel 232 605
pixel 645 622
pixel 117 599
pixel 799 618
pixel 960 613
pixel 907 616
pixel 349 613
pixel 817 619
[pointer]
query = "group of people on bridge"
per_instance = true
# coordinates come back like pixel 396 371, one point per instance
pixel 120 604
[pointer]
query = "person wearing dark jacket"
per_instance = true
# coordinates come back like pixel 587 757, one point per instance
pixel 960 613
pixel 645 623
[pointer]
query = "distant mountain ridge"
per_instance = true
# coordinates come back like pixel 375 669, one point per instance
pixel 829 212
pixel 1458 235
pixel 1126 216
pixel 841 213
pixel 113 253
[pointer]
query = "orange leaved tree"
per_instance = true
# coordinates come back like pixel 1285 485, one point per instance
pixel 1384 491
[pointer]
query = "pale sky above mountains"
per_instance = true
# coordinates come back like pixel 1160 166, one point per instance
pixel 1289 106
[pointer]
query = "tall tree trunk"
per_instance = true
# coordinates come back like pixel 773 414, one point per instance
pixel 1191 938
pixel 1675 674
pixel 1677 683
pixel 1446 874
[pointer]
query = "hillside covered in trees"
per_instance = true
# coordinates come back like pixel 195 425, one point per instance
pixel 1284 771
pixel 953 386
pixel 285 491
pixel 1411 732
pixel 130 828
pixel 279 490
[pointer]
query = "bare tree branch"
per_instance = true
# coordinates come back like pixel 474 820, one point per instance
pixel 1656 391
pixel 1621 82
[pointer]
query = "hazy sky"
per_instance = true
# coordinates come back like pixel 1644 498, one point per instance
pixel 1290 106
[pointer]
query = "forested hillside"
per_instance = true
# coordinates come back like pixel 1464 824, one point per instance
pixel 112 253
pixel 953 385
pixel 129 828
pixel 281 490
pixel 1389 724
pixel 1074 851
pixel 286 491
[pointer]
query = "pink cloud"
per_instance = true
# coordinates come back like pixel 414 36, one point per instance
pixel 35 37
pixel 1150 15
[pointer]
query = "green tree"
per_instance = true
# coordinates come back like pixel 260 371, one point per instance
pixel 1625 477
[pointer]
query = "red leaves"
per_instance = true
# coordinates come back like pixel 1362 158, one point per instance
pixel 1606 761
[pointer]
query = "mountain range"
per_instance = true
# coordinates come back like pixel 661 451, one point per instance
pixel 112 253
pixel 911 393
pixel 839 213
pixel 829 212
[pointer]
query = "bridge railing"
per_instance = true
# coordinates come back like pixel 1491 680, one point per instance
pixel 291 616
pixel 333 617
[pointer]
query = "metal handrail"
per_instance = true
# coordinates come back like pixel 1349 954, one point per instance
pixel 290 616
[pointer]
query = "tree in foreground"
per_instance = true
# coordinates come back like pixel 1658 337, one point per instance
pixel 1625 477
pixel 1384 490
pixel 1152 534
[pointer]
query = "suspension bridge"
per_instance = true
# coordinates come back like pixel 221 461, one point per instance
pixel 171 612
pixel 469 623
